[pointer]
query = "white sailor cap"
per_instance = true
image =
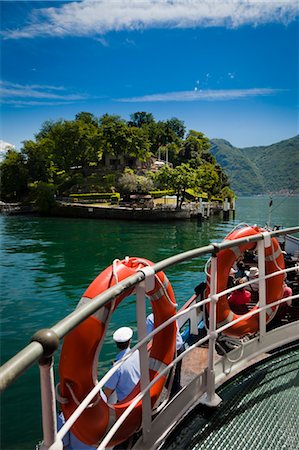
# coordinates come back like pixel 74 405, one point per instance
pixel 123 334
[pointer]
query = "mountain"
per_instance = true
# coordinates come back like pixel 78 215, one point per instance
pixel 260 170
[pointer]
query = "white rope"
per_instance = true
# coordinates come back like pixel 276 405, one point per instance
pixel 240 225
pixel 91 405
pixel 145 263
pixel 59 398
pixel 114 264
pixel 236 343
pixel 273 254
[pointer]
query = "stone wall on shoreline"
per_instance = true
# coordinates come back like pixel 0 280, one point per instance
pixel 127 213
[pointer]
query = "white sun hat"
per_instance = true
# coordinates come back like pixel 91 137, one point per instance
pixel 253 272
pixel 123 334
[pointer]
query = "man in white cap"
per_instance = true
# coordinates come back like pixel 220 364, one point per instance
pixel 122 381
pixel 127 375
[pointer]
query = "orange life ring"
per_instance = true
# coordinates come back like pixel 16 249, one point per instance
pixel 274 261
pixel 81 347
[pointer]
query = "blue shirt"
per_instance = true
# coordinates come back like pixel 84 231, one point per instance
pixel 70 442
pixel 150 327
pixel 126 376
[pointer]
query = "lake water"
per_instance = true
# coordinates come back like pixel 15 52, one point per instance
pixel 47 263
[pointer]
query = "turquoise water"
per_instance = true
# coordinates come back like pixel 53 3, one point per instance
pixel 47 263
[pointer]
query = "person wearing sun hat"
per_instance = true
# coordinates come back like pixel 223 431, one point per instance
pixel 127 375
pixel 251 275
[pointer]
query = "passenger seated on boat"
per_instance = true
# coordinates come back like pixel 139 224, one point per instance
pixel 180 348
pixel 253 288
pixel 249 256
pixel 287 292
pixel 239 299
pixel 240 270
pixel 285 310
pixel 127 375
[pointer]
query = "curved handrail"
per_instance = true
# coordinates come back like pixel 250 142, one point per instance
pixel 13 368
pixel 37 349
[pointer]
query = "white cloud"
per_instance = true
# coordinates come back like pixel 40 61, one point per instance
pixel 102 41
pixel 200 95
pixel 18 94
pixel 4 146
pixel 90 17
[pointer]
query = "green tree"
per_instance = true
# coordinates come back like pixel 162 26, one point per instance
pixel 207 178
pixel 39 159
pixel 177 126
pixel 141 118
pixel 14 176
pixel 195 148
pixel 75 143
pixel 120 139
pixel 87 118
pixel 45 197
pixel 180 178
pixel 226 192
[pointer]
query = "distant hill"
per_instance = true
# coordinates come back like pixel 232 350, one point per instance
pixel 260 170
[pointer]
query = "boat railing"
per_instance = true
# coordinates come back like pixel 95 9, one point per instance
pixel 45 342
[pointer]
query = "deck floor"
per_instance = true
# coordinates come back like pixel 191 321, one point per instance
pixel 259 410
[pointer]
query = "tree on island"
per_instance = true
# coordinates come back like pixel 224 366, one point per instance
pixel 179 179
pixel 14 176
pixel 75 156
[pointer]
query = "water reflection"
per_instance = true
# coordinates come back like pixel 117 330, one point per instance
pixel 47 263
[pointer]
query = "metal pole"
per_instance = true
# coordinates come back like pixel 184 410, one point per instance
pixel 146 285
pixel 211 398
pixel 48 405
pixel 261 246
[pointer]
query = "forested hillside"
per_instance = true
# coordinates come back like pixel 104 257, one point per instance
pixel 260 170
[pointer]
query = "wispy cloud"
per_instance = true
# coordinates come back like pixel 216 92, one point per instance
pixel 90 17
pixel 4 146
pixel 34 94
pixel 200 95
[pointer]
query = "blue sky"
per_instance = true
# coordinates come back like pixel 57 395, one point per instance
pixel 227 68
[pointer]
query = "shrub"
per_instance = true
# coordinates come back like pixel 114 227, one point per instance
pixel 45 197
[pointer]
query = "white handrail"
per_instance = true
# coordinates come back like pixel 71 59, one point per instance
pixel 68 424
pixel 59 330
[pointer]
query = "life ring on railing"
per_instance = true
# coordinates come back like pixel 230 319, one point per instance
pixel 274 261
pixel 78 364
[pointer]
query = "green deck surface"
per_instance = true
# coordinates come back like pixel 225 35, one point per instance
pixel 260 410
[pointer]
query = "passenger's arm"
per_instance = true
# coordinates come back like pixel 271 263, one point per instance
pixel 108 391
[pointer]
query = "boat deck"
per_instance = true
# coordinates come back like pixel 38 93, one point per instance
pixel 259 410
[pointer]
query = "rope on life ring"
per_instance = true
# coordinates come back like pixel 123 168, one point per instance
pixel 78 364
pixel 274 261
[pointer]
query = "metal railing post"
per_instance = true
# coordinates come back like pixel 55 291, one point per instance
pixel 261 246
pixel 147 285
pixel 49 342
pixel 48 401
pixel 210 398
